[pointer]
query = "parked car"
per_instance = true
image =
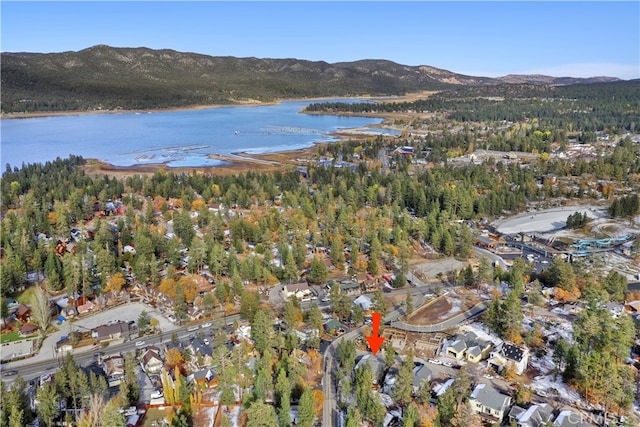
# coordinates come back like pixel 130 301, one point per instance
pixel 434 361
pixel 206 325
pixel 140 343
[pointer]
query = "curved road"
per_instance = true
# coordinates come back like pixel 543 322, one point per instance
pixel 474 311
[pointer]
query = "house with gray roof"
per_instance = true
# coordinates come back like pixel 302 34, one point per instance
pixel 375 363
pixel 537 415
pixel 489 403
pixel 469 346
pixel 421 375
pixel 569 417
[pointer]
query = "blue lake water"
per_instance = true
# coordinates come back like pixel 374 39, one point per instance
pixel 176 138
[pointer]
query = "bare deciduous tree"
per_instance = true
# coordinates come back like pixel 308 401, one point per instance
pixel 40 310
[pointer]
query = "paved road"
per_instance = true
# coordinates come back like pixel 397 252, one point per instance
pixel 474 311
pixel 495 259
pixel 125 313
pixel 49 362
pixel 330 408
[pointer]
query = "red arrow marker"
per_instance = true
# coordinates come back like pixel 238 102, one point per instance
pixel 375 341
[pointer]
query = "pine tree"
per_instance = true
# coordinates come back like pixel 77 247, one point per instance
pixel 306 413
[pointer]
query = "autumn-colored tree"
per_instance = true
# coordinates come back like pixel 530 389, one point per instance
pixel 361 263
pixel 174 357
pixel 428 415
pixel 563 295
pixel 189 287
pixel 116 282
pixel 168 287
pixel 318 400
pixel 197 204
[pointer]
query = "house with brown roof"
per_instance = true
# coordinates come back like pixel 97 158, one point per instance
pixel 28 329
pixel 113 331
pixel 86 307
pixel 23 313
pixel 151 361
pixel 113 368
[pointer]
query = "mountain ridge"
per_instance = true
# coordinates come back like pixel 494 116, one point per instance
pixel 105 77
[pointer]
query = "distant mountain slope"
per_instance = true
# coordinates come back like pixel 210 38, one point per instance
pixel 107 77
pixel 138 78
pixel 550 80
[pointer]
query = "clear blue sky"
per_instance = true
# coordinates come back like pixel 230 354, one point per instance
pixel 575 38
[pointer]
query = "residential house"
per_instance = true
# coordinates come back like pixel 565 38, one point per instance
pixel 421 374
pixel 151 361
pixel 113 368
pixel 205 377
pixel 569 417
pixel 64 346
pixel 489 403
pixel 300 290
pixel 615 309
pixel 69 312
pixel 633 307
pixel 375 363
pixel 350 288
pixel 28 329
pixel 23 313
pixel 110 332
pixel 440 389
pixel 389 382
pixel 509 356
pixel 370 283
pixel 537 415
pixel 363 301
pixel 334 327
pixel 469 346
pixel 203 353
pixel 86 307
pixel 194 313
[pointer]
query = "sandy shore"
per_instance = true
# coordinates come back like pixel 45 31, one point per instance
pixel 234 164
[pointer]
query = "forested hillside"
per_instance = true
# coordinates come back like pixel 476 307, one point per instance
pixel 103 77
pixel 136 78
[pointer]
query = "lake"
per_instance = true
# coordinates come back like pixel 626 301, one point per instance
pixel 176 138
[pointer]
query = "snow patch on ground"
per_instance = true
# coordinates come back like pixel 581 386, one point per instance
pixel 482 332
pixel 547 384
pixel 456 306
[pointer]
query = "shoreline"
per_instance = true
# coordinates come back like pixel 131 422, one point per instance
pixel 237 162
pixel 247 103
pixel 239 103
